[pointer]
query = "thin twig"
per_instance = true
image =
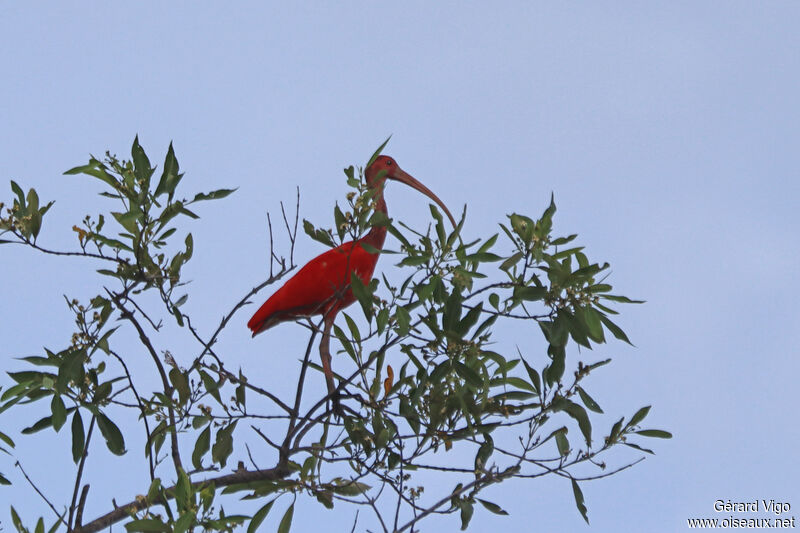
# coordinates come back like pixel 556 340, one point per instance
pixel 32 484
pixel 141 408
pixel 128 315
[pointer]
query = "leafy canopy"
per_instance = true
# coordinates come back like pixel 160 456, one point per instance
pixel 458 363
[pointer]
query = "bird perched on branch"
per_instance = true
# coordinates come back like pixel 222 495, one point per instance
pixel 323 285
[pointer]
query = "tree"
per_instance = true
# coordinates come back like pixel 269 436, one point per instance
pixel 427 392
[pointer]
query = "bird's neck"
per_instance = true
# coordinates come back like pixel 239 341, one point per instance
pixel 377 234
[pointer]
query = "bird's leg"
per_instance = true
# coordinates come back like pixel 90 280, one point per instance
pixel 325 355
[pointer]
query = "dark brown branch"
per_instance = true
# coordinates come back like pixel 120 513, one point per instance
pixel 241 476
pixel 79 475
pixel 298 394
pixel 81 504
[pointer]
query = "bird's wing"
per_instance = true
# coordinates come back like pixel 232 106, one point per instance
pixel 323 280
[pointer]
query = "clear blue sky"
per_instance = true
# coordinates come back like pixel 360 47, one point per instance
pixel 668 134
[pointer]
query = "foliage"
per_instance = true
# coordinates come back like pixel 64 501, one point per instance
pixel 430 385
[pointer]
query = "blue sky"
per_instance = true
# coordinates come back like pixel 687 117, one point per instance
pixel 668 134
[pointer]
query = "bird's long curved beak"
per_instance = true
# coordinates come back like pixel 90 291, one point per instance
pixel 404 177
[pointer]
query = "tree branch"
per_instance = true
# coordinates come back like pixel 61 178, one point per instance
pixel 138 504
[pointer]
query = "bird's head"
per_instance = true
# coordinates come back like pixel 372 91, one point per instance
pixel 385 167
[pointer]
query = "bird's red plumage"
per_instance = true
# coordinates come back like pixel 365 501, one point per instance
pixel 321 286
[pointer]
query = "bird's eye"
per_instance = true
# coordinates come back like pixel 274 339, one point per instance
pixel 389 162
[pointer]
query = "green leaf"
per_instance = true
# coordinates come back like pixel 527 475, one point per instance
pixel 169 176
pixel 317 234
pixel 469 375
pixel 519 383
pixel 561 441
pixel 593 324
pixel 211 386
pixel 113 243
pixel 112 434
pixel 201 447
pixel 578 413
pixel 33 213
pixel 577 326
pixel 351 488
pixel 414 260
pixel 78 437
pixel 632 445
pixel 184 522
pixel 95 169
pixel 533 375
pixel 39 425
pixel 346 344
pixel 58 522
pixel 555 370
pixel 563 240
pixel 598 364
pixel 466 513
pixel 4 480
pixel 484 452
pixel 241 391
pixel 638 416
pixel 20 195
pixel 615 430
pixel 15 519
pixel 223 447
pixel 588 401
pixel 147 525
pixel 623 299
pixel 141 164
pixel 183 491
pixel 470 319
pixel 378 151
pixel 59 412
pixel 363 294
pixel 129 220
pixel 566 253
pixel 259 517
pixel 286 521
pixel 451 314
pixel 576 491
pixel 213 195
pixel 486 324
pixel 523 226
pixel 325 497
pixel 511 261
pixel 654 433
pixel 5 438
pixel 493 507
pixel 614 329
pixel 483 257
pixel 181 384
pixel 403 321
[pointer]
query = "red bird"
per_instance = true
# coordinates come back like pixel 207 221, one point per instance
pixel 322 286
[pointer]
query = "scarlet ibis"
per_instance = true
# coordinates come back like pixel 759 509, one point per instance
pixel 322 286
